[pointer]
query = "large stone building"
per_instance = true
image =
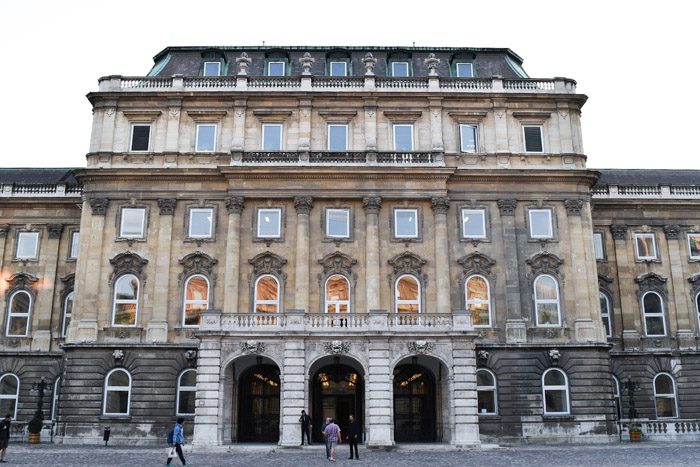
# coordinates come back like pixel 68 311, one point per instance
pixel 407 235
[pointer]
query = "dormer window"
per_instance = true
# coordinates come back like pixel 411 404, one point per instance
pixel 338 69
pixel 212 69
pixel 464 70
pixel 400 69
pixel 276 68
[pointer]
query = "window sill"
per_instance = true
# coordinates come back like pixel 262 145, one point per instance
pixel 115 417
pixel 558 418
pixel 25 260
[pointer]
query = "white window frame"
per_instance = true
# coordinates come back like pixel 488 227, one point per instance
pixel 131 137
pixel 141 234
pixel 24 237
pixel 661 314
pixel 541 138
pixel 493 389
pixel 408 68
pixel 54 401
pixel 284 67
pixel 265 126
pixel 336 303
pixel 471 69
pixel 335 62
pixel 181 389
pixel 13 314
pixel 486 302
pixel 398 302
pixel 65 314
pixel 598 246
pixel 211 222
pixel 545 301
pixel 14 397
pixel 467 212
pixel 261 212
pixel 606 314
pixel 74 247
pixel 256 301
pixel 564 388
pixel 396 223
pixel 218 69
pixel 673 395
pixel 347 222
pixel 690 250
pixel 196 140
pixel 475 127
pixel 413 142
pixel 532 211
pixel 135 301
pixel 186 302
pixel 640 235
pixel 697 307
pixel 108 388
pixel 617 397
pixel 328 140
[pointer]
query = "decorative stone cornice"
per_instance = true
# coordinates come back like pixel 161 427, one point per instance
pixel 337 263
pixel 603 279
pixel 99 206
pixel 303 204
pixel 619 231
pixel 544 262
pixel 407 263
pixel 651 281
pixel 21 281
pixel 167 206
pixel 54 230
pixel 672 231
pixel 3 230
pixel 507 206
pixel 573 206
pixel 197 263
pixel 127 263
pixel 234 204
pixel 268 263
pixel 440 205
pixel 476 263
pixel 372 204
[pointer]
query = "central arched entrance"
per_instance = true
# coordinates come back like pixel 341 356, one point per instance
pixel 414 404
pixel 259 404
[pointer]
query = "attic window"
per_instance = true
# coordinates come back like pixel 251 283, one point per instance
pixel 212 69
pixel 276 68
pixel 464 70
pixel 400 69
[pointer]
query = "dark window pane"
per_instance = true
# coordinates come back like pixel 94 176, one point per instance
pixel 140 137
pixel 187 399
pixel 486 401
pixel 533 139
pixel 555 400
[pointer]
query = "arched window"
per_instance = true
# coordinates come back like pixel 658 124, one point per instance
pixel 486 392
pixel 117 399
pixel 337 294
pixel 186 392
pixel 67 313
pixel 665 396
pixel 196 299
pixel 653 312
pixel 605 313
pixel 407 294
pixel 267 294
pixel 616 397
pixel 547 301
pixel 9 394
pixel 20 309
pixel 54 401
pixel 478 300
pixel 697 306
pixel 555 392
pixel 126 301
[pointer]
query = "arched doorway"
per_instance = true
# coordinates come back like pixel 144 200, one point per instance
pixel 414 404
pixel 259 404
pixel 337 391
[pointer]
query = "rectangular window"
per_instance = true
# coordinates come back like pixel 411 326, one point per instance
pixel 694 245
pixel 541 223
pixel 532 137
pixel 276 69
pixel 212 69
pixel 338 223
pixel 133 222
pixel 338 69
pixel 27 245
pixel 269 223
pixel 74 245
pixel 403 137
pixel 201 222
pixel 140 137
pixel 272 137
pixel 645 245
pixel 473 223
pixel 399 69
pixel 464 70
pixel 206 137
pixel 467 138
pixel 406 223
pixel 598 245
pixel 337 137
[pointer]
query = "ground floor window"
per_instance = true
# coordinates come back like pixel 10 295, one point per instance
pixel 486 392
pixel 555 392
pixel 665 396
pixel 9 394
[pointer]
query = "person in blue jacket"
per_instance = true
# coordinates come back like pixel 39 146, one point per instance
pixel 176 439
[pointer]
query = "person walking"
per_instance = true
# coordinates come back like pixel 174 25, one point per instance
pixel 332 432
pixel 325 438
pixel 305 427
pixel 5 425
pixel 176 438
pixel 354 436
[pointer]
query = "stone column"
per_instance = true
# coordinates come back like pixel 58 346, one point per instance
pixel 442 262
pixel 109 117
pixel 239 116
pixel 464 396
pixel 683 308
pixel 172 133
pixel 564 125
pixel 379 395
pixel 292 396
pixel 515 324
pixel 500 125
pixel 371 124
pixel 435 107
pixel 628 301
pixel 206 412
pixel 234 205
pixel 304 124
pixel 157 328
pixel 303 205
pixel 372 205
pixel 43 308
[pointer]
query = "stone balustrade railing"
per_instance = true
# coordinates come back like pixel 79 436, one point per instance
pixel 39 190
pixel 646 192
pixel 672 429
pixel 244 83
pixel 340 157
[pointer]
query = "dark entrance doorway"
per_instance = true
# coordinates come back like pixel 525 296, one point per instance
pixel 414 404
pixel 259 405
pixel 337 392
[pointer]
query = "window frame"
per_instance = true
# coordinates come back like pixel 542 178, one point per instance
pixel 347 225
pixel 121 222
pixel 74 246
pixel 196 138
pixel 471 69
pixel 640 235
pixel 564 388
pixel 661 314
pixel 475 128
pixel 482 211
pixel 54 400
pixel 64 315
pixel 277 302
pixel 596 243
pixel 135 301
pixel 263 131
pixel 617 397
pixel 186 302
pixel 108 388
pixel 11 314
pixel 403 61
pixel 493 389
pixel 538 301
pixel 697 307
pixel 395 213
pixel 418 301
pixel 607 314
pixel 259 212
pixel 191 212
pixel 337 62
pixel 690 247
pixel 276 61
pixel 15 397
pixel 347 136
pixel 530 222
pixel 336 303
pixel 394 126
pixel 487 302
pixel 210 62
pixel 674 395
pixel 541 128
pixel 26 234
pixel 131 136
pixel 181 388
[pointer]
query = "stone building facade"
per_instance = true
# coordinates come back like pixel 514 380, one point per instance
pixel 406 235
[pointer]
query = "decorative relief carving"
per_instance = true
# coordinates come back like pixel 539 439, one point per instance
pixel 243 63
pixel 482 356
pixel 167 206
pixel 672 231
pixel 619 231
pixel 268 263
pixel 306 61
pixel 372 204
pixel 336 347
pixel 476 263
pixel 507 206
pixel 573 206
pixel 603 279
pixel 303 204
pixel 197 263
pixel 54 230
pixel 21 281
pixel 127 262
pixel 99 206
pixel 252 347
pixel 337 263
pixel 370 62
pixel 235 204
pixel 118 356
pixel 440 205
pixel 407 263
pixel 420 347
pixel 544 263
pixel 553 356
pixel 191 357
pixel 432 63
pixel 651 282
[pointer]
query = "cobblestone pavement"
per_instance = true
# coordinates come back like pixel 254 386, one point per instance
pixel 644 454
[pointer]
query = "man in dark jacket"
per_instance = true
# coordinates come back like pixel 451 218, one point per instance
pixel 305 427
pixel 354 436
pixel 5 425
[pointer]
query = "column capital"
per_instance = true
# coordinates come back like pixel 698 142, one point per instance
pixel 235 204
pixel 54 230
pixel 167 206
pixel 507 206
pixel 303 204
pixel 619 231
pixel 372 204
pixel 99 206
pixel 3 230
pixel 573 206
pixel 440 205
pixel 672 231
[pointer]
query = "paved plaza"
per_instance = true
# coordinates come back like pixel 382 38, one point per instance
pixel 644 454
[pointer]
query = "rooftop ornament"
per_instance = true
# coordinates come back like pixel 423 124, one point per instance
pixel 306 61
pixel 370 63
pixel 243 62
pixel 432 63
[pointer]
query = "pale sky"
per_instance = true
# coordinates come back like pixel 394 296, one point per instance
pixel 636 61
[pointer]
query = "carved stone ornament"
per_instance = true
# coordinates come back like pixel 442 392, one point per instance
pixel 544 263
pixel 336 347
pixel 482 356
pixel 573 206
pixel 440 205
pixel 370 62
pixel 337 263
pixel 21 281
pixel 167 206
pixel 553 356
pixel 3 230
pixel 54 230
pixel 268 263
pixel 252 347
pixel 672 231
pixel 243 63
pixel 420 347
pixel 191 356
pixel 372 204
pixel 118 355
pixel 603 279
pixel 198 263
pixel 234 204
pixel 695 282
pixel 306 61
pixel 651 281
pixel 507 206
pixel 125 263
pixel 432 63
pixel 476 263
pixel 407 263
pixel 619 231
pixel 303 204
pixel 99 206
